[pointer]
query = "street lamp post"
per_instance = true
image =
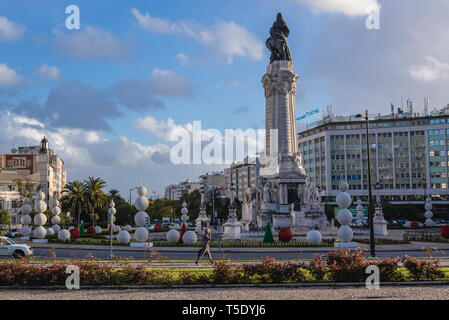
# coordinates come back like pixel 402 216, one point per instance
pixel 370 201
pixel 130 204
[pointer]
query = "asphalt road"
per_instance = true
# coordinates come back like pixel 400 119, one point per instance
pixel 102 254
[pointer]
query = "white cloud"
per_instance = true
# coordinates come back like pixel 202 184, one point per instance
pixel 8 76
pixel 51 72
pixel 10 30
pixel 348 7
pixel 431 70
pixel 161 129
pixel 182 58
pixel 226 38
pixel 169 83
pixel 91 43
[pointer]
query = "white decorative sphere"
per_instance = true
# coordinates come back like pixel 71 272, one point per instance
pixel 56 228
pixel 26 209
pixel 98 229
pixel 141 203
pixel 112 204
pixel 314 237
pixel 429 222
pixel 360 215
pixel 40 206
pixel 70 228
pixel 189 238
pixel 112 211
pixel 56 211
pixel 141 234
pixel 408 224
pixel 428 206
pixel 55 220
pixel 184 210
pixel 429 214
pixel 344 217
pixel 40 219
pixel 344 200
pixel 184 218
pixel 117 229
pixel 345 233
pixel 40 232
pixel 26 219
pixel 177 226
pixel 64 235
pixel 420 224
pixel 142 191
pixel 50 231
pixel 172 236
pixel 56 203
pixel 128 228
pixel 123 237
pixel 140 218
pixel 25 231
pixel 428 200
pixel 343 186
pixel 41 195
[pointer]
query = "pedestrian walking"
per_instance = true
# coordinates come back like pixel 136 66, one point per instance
pixel 205 248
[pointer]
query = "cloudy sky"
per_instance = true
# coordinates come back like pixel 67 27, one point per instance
pixel 109 94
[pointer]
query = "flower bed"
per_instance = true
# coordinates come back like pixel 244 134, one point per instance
pixel 338 266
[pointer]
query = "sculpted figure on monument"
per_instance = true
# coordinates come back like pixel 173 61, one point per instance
pixel 277 42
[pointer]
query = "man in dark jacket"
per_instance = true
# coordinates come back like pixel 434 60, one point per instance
pixel 205 247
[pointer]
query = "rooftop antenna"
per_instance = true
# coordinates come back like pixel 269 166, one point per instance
pixel 410 105
pixel 426 106
pixel 392 109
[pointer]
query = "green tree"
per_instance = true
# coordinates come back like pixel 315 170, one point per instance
pixel 73 199
pixel 114 194
pixel 5 218
pixel 94 195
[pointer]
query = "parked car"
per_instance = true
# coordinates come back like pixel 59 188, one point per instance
pixel 9 248
pixel 12 233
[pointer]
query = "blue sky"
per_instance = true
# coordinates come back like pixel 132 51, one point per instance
pixel 198 60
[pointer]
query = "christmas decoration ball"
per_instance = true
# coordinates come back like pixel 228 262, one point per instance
pixel 98 229
pixel 41 195
pixel 189 238
pixel 141 203
pixel 314 237
pixel 428 206
pixel 177 226
pixel 141 234
pixel 40 219
pixel 26 209
pixel 429 222
pixel 408 224
pixel 343 186
pixel 172 236
pixel 112 211
pixel 55 220
pixel 140 218
pixel 285 235
pixel 344 200
pixel 123 237
pixel 444 231
pixel 26 219
pixel 345 233
pixel 128 228
pixel 428 214
pixel 91 230
pixel 64 235
pixel 344 217
pixel 50 231
pixel 184 210
pixel 56 228
pixel 25 231
pixel 117 228
pixel 40 232
pixel 414 224
pixel 56 211
pixel 40 206
pixel 74 233
pixel 142 191
pixel 184 218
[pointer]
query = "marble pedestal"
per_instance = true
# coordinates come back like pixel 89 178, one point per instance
pixel 380 227
pixel 202 222
pixel 232 227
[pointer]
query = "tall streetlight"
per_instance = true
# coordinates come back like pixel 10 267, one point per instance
pixel 130 204
pixel 370 205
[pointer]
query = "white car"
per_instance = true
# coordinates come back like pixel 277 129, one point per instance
pixel 9 248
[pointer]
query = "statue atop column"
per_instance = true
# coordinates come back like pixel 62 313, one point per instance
pixel 277 42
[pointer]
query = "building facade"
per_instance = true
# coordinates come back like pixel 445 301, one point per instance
pixel 37 164
pixel 409 155
pixel 215 180
pixel 176 191
pixel 241 176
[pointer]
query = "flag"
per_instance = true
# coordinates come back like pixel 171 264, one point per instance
pixel 309 113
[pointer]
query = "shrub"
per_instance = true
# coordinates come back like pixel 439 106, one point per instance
pixel 318 268
pixel 421 269
pixel 226 272
pixel 445 232
pixel 390 270
pixel 347 266
pixel 187 277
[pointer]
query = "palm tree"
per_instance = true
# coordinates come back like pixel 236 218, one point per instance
pixel 73 199
pixel 94 195
pixel 114 194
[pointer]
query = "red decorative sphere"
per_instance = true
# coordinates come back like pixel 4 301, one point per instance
pixel 74 234
pixel 285 235
pixel 91 230
pixel 445 232
pixel 157 227
pixel 414 224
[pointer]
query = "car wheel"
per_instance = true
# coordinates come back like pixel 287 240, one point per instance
pixel 18 254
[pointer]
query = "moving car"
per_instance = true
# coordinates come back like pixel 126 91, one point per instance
pixel 9 248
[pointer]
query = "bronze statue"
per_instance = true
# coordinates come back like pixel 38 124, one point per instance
pixel 277 42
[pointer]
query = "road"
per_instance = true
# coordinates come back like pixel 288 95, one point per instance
pixel 103 253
